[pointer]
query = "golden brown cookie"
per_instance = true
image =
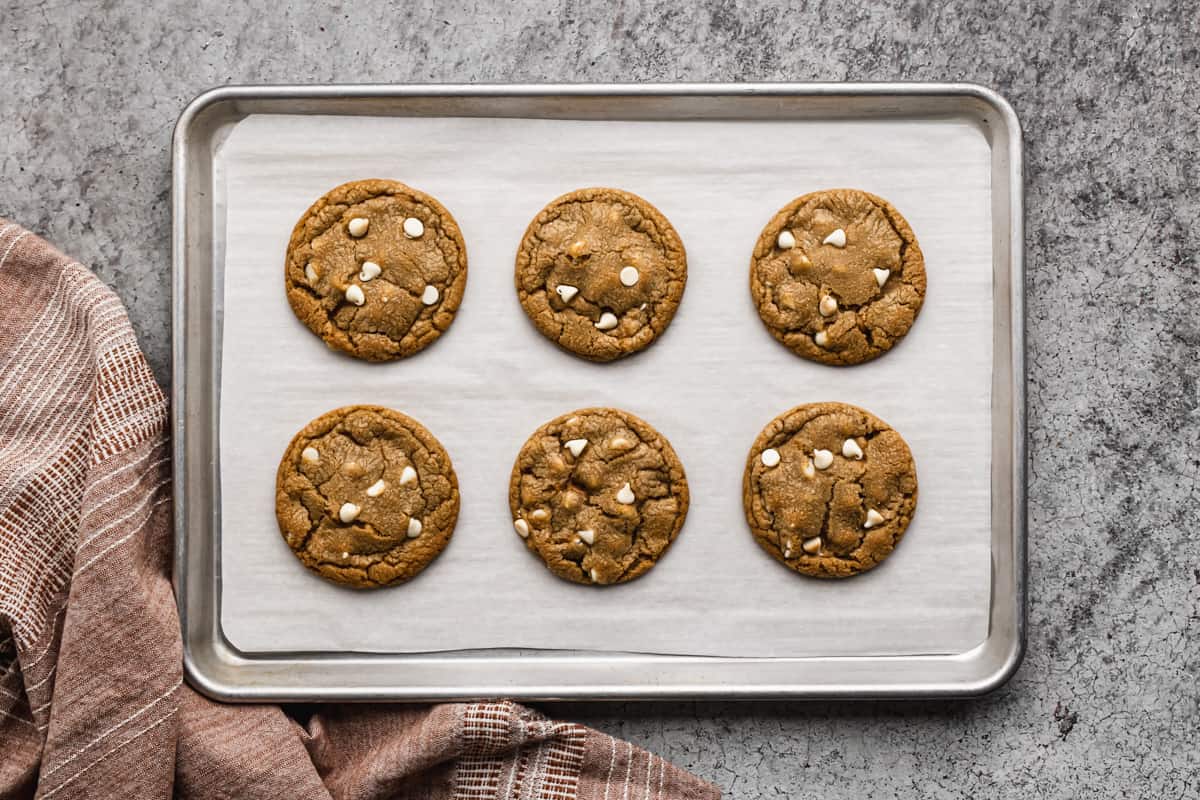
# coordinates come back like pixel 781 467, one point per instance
pixel 376 269
pixel 838 276
pixel 366 496
pixel 601 272
pixel 829 489
pixel 599 495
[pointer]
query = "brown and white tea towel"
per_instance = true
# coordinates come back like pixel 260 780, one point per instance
pixel 92 699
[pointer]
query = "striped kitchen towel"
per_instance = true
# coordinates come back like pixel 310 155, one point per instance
pixel 92 699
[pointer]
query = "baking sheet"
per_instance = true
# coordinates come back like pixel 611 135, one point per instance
pixel 710 384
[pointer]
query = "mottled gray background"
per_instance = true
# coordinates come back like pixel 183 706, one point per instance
pixel 1106 702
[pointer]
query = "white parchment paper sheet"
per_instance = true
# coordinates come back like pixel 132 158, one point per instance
pixel 709 384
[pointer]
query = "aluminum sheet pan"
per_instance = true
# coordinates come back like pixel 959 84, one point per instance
pixel 970 164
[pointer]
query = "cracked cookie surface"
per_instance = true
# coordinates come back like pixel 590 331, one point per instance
pixel 838 276
pixel 599 495
pixel 829 489
pixel 366 496
pixel 601 273
pixel 376 268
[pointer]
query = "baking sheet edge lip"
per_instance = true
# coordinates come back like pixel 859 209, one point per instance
pixel 318 91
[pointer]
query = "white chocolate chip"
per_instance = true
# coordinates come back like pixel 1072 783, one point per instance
pixel 310 273
pixel 812 545
pixel 629 276
pixel 821 338
pixel 522 528
pixel 881 276
pixel 828 306
pixel 787 550
pixel 430 295
pixel 354 294
pixel 566 291
pixel 358 227
pixel 786 241
pixel 822 459
pixel 310 455
pixel 595 576
pixel 376 488
pixel 345 555
pixel 873 518
pixel 850 449
pixel 837 238
pixel 348 512
pixel 625 495
pixel 619 443
pixel 539 515
pixel 577 248
pixel 407 475
pixel 770 457
pixel 414 527
pixel 413 228
pixel 807 469
pixel 608 321
pixel 369 270
pixel 588 536
pixel 576 446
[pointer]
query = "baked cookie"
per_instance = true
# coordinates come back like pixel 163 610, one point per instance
pixel 599 495
pixel 366 496
pixel 601 272
pixel 829 489
pixel 376 269
pixel 838 276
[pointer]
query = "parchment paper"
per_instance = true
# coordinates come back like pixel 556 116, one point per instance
pixel 709 384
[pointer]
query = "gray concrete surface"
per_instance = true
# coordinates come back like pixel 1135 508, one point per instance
pixel 1106 702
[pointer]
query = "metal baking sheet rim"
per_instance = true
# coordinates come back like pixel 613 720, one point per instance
pixel 215 668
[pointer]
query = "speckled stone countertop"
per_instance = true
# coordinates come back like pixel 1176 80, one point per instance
pixel 1106 703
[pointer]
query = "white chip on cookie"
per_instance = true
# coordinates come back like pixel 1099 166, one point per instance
pixel 785 241
pixel 873 518
pixel 407 475
pixel 413 228
pixel 310 273
pixel 813 545
pixel 414 528
pixel 595 576
pixel 608 321
pixel 348 512
pixel 837 238
pixel 354 294
pixel 770 457
pixel 588 536
pixel 566 292
pixel 430 295
pixel 625 495
pixel 576 446
pixel 827 306
pixel 822 459
pixel 310 455
pixel 376 488
pixel 821 338
pixel 521 527
pixel 881 276
pixel 850 449
pixel 369 270
pixel 629 276
pixel 358 227
pixel 539 515
pixel 807 470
